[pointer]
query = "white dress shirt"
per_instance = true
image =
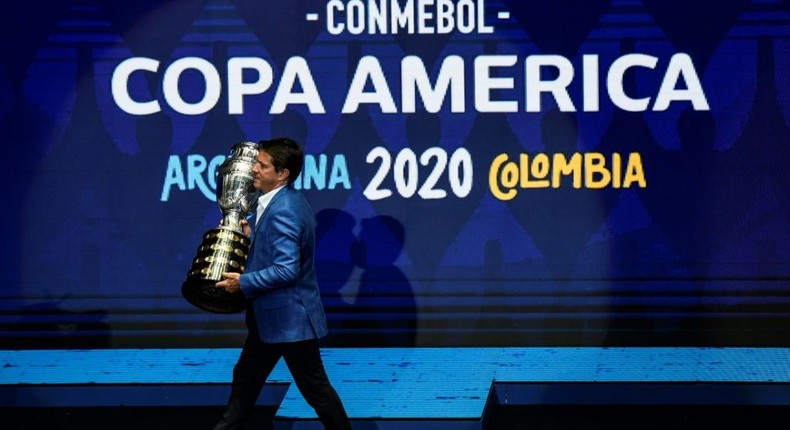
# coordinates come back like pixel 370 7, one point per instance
pixel 264 201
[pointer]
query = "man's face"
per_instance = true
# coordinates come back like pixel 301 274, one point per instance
pixel 265 177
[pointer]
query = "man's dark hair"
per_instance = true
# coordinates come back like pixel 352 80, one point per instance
pixel 286 154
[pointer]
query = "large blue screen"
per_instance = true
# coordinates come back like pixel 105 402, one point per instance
pixel 483 172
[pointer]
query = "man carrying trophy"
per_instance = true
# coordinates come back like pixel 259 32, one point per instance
pixel 285 316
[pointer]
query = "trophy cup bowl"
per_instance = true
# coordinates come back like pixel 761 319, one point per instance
pixel 225 248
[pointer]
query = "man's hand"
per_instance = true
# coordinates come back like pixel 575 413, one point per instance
pixel 230 283
pixel 245 227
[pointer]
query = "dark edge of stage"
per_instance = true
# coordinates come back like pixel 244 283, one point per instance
pixel 555 405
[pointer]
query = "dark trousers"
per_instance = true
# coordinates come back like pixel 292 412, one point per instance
pixel 303 359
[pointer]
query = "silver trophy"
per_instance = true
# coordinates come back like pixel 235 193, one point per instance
pixel 225 248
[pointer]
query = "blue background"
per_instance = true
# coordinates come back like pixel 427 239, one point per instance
pixel 92 257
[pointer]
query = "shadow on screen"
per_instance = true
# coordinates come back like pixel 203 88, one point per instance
pixel 370 299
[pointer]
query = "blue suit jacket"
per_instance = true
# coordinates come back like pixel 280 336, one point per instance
pixel 280 277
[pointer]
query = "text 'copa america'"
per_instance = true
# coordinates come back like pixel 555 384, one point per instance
pixel 485 83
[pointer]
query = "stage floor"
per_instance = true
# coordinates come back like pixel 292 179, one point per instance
pixel 394 388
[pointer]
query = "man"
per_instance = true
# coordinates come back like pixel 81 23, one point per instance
pixel 285 316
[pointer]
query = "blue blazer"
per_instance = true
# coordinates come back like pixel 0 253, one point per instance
pixel 280 277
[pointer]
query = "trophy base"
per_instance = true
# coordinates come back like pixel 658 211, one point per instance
pixel 205 295
pixel 222 250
